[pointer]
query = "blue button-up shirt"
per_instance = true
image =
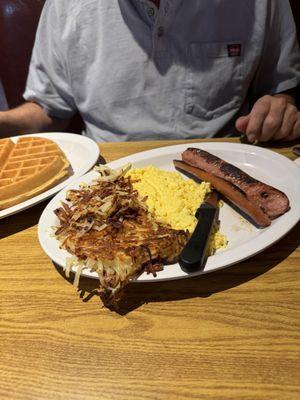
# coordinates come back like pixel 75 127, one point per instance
pixel 185 70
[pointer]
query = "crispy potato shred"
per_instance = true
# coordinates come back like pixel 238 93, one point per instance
pixel 108 229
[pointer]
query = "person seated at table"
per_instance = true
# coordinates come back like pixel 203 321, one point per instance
pixel 149 70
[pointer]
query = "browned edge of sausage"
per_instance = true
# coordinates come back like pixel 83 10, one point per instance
pixel 229 191
pixel 272 201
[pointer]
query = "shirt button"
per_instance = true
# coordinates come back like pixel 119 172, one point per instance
pixel 150 11
pixel 160 31
pixel 189 109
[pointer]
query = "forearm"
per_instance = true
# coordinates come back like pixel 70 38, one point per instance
pixel 28 118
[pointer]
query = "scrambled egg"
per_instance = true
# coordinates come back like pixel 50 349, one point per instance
pixel 173 199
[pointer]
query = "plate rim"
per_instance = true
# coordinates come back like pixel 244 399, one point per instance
pixel 74 138
pixel 169 149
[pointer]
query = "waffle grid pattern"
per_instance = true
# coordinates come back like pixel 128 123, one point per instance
pixel 30 163
pixel 28 156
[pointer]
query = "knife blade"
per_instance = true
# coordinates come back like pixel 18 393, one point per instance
pixel 194 254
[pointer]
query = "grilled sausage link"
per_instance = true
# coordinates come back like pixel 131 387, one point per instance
pixel 229 191
pixel 272 201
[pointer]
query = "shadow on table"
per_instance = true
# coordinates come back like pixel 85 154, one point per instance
pixel 22 220
pixel 276 144
pixel 137 294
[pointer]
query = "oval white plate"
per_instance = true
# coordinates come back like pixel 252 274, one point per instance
pixel 82 154
pixel 244 239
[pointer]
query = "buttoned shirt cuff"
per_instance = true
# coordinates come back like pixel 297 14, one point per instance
pixel 286 85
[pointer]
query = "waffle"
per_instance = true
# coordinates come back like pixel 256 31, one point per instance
pixel 28 168
pixel 6 146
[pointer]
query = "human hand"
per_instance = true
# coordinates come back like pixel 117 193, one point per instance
pixel 271 118
pixel 29 118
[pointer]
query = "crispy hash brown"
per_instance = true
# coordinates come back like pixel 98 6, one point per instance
pixel 110 230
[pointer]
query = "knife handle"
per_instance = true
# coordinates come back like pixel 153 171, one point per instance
pixel 193 254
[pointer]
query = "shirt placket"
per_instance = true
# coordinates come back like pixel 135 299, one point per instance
pixel 159 33
pixel 148 10
pixel 159 20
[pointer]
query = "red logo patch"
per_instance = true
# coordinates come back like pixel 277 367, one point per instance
pixel 234 50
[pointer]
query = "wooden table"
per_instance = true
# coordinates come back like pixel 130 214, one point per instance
pixel 232 334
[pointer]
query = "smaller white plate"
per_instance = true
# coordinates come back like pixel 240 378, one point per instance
pixel 82 154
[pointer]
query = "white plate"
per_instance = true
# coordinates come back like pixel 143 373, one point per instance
pixel 244 239
pixel 82 154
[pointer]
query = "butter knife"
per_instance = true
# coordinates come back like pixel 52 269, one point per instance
pixel 194 254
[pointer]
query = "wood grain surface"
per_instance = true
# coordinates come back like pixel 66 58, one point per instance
pixel 232 334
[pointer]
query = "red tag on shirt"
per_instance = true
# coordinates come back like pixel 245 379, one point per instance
pixel 234 50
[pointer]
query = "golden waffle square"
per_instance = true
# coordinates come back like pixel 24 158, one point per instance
pixel 6 146
pixel 32 166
